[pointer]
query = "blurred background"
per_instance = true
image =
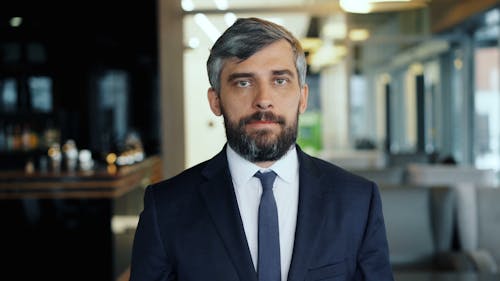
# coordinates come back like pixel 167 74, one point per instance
pixel 99 99
pixel 393 77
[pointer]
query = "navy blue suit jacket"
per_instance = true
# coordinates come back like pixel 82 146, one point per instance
pixel 191 230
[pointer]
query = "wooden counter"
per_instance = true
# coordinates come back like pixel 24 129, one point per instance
pixel 71 226
pixel 101 183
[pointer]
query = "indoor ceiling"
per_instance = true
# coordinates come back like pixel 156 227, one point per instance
pixel 287 11
pixel 320 24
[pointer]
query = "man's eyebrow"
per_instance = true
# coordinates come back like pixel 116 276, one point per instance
pixel 237 75
pixel 283 72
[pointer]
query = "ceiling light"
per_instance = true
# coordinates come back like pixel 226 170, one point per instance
pixel 359 6
pixel 206 25
pixel 416 68
pixel 359 34
pixel 310 44
pixel 327 55
pixel 458 63
pixel 16 21
pixel 221 4
pixel 187 5
pixel 367 6
pixel 334 28
pixel 385 78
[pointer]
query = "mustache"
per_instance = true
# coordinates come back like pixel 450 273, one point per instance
pixel 263 116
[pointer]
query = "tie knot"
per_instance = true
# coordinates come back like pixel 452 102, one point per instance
pixel 266 179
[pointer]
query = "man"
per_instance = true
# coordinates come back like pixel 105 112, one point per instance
pixel 318 223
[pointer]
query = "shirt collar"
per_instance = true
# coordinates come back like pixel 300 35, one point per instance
pixel 243 170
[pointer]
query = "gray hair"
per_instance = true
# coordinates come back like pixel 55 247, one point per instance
pixel 246 37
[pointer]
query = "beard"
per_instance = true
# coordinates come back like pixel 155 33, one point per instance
pixel 261 145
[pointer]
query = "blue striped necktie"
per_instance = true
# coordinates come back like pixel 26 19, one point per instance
pixel 268 263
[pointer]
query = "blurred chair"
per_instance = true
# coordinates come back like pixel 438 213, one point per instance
pixel 403 159
pixel 464 179
pixel 419 223
pixel 486 255
pixel 440 174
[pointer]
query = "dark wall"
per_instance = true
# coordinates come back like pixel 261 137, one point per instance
pixel 80 39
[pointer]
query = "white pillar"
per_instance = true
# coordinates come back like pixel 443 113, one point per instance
pixel 171 86
pixel 335 107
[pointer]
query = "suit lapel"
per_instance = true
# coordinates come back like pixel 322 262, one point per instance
pixel 309 218
pixel 218 193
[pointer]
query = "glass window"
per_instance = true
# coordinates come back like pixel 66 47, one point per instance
pixel 110 108
pixel 487 98
pixel 400 140
pixel 358 109
pixel 40 88
pixel 432 106
pixel 11 52
pixel 35 53
pixel 459 105
pixel 8 95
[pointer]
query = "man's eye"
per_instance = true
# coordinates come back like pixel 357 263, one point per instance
pixel 243 83
pixel 281 81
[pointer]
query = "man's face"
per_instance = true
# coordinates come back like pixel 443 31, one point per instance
pixel 260 99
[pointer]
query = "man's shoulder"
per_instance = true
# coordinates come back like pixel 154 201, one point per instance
pixel 185 178
pixel 194 175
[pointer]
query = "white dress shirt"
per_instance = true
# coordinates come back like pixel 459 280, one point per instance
pixel 248 190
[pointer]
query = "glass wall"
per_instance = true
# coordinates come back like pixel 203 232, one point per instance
pixel 432 106
pixel 460 104
pixel 446 103
pixel 487 92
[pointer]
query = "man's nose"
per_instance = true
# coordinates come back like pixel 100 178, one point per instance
pixel 263 97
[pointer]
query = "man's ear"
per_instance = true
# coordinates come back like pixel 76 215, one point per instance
pixel 304 94
pixel 214 102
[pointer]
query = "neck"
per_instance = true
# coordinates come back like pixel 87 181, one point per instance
pixel 265 164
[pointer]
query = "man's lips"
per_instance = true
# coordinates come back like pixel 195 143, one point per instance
pixel 261 122
pixel 262 118
pixel 261 125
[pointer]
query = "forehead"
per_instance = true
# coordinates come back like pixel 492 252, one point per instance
pixel 276 56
